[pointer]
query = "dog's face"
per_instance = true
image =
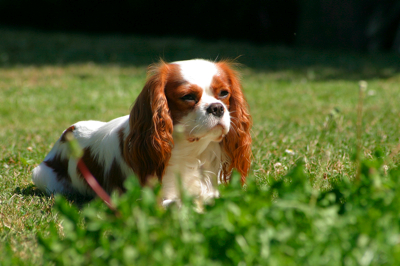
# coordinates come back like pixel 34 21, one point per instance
pixel 201 97
pixel 198 94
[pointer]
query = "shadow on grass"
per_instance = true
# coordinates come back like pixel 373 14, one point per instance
pixel 29 47
pixel 32 190
pixel 29 190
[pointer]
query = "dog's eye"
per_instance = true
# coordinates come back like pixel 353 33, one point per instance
pixel 189 97
pixel 223 94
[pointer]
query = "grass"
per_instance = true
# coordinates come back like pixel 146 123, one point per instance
pixel 301 100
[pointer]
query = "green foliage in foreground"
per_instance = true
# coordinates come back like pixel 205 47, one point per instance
pixel 286 223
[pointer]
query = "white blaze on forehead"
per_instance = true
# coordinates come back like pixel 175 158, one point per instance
pixel 199 72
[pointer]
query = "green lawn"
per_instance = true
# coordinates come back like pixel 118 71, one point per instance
pixel 301 100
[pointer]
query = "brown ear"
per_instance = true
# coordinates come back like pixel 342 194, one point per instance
pixel 147 149
pixel 237 143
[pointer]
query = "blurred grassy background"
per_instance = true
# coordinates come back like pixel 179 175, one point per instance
pixel 303 103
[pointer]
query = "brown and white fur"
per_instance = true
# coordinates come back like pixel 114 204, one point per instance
pixel 191 120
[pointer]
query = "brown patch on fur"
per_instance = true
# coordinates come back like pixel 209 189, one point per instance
pixel 148 146
pixel 60 168
pixel 70 129
pixel 115 178
pixel 112 180
pixel 221 83
pixel 237 143
pixel 175 88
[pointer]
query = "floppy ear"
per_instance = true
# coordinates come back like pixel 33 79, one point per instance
pixel 237 143
pixel 147 149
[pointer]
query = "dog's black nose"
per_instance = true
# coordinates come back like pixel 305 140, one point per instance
pixel 216 109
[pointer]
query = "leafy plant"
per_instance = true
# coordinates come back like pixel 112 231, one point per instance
pixel 286 223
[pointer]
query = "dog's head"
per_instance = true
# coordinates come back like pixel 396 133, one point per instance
pixel 201 97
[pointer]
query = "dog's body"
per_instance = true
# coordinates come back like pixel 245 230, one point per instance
pixel 190 120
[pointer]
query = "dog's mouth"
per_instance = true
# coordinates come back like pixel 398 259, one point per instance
pixel 218 138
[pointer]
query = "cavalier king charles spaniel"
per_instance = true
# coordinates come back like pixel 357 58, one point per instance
pixel 191 121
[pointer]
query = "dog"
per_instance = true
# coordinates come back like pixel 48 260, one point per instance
pixel 191 120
